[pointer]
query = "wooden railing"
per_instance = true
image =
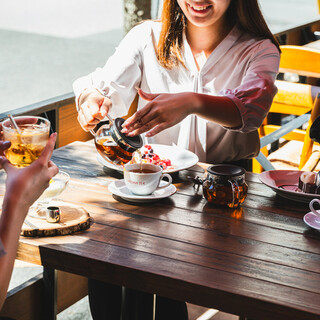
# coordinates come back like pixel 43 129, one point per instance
pixel 26 302
pixel 61 111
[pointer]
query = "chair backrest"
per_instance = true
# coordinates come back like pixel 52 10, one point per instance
pixel 301 60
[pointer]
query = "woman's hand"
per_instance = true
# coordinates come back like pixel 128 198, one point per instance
pixel 24 186
pixel 93 108
pixel 163 111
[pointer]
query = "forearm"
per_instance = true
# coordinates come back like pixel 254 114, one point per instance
pixel 11 221
pixel 218 109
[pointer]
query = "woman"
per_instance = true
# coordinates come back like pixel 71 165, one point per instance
pixel 205 75
pixel 23 188
pixel 214 63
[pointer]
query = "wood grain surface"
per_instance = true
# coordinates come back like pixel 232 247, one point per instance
pixel 73 218
pixel 260 260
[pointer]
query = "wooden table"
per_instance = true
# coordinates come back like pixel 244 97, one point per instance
pixel 259 261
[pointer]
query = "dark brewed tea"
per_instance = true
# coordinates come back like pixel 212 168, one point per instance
pixel 225 185
pixel 224 194
pixel 113 153
pixel 143 170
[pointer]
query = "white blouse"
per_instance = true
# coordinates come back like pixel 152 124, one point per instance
pixel 241 68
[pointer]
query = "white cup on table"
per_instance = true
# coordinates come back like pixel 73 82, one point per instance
pixel 145 181
pixel 313 210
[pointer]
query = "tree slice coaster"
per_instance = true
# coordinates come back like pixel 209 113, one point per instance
pixel 72 219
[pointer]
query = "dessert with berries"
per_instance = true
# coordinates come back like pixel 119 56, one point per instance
pixel 148 155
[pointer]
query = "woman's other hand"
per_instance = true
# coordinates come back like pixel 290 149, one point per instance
pixel 24 186
pixel 93 107
pixel 163 111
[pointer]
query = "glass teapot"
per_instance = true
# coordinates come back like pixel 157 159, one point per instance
pixel 114 146
pixel 224 185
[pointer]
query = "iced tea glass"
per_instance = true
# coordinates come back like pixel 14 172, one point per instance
pixel 28 142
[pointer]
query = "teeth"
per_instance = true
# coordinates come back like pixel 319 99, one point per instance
pixel 199 8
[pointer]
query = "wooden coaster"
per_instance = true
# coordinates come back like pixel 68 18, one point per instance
pixel 72 219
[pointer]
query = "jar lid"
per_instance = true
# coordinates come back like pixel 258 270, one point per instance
pixel 226 170
pixel 135 142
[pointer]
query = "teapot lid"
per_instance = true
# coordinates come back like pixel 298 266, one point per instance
pixel 226 170
pixel 135 142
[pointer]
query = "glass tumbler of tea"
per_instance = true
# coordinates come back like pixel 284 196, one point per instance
pixel 225 185
pixel 27 140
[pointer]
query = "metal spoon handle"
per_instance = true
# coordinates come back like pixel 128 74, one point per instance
pixel 14 123
pixel 19 136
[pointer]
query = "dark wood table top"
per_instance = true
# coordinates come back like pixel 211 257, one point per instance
pixel 260 260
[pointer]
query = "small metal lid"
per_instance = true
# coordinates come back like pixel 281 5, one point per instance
pixel 226 170
pixel 135 142
pixel 53 214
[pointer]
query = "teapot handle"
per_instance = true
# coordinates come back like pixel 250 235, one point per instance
pixel 110 122
pixel 110 119
pixel 197 181
pixel 235 193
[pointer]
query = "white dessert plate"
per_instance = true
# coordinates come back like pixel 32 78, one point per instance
pixel 285 184
pixel 312 220
pixel 119 188
pixel 181 159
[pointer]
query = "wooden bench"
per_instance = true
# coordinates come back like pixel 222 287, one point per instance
pixel 26 302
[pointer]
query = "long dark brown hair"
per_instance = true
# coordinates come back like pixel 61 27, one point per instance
pixel 246 13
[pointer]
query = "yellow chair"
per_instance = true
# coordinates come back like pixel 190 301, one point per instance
pixel 301 100
pixel 291 99
pixel 302 60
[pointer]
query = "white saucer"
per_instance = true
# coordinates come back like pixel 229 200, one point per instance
pixel 120 189
pixel 312 220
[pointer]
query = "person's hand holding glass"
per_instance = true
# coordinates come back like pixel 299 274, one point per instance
pixel 28 136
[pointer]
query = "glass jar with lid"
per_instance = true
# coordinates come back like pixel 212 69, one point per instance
pixel 225 185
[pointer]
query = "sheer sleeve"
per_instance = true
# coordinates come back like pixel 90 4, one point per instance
pixel 255 94
pixel 122 72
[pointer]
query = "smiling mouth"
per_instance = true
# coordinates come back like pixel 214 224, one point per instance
pixel 200 9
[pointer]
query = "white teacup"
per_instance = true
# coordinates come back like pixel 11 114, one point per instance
pixel 147 181
pixel 312 202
